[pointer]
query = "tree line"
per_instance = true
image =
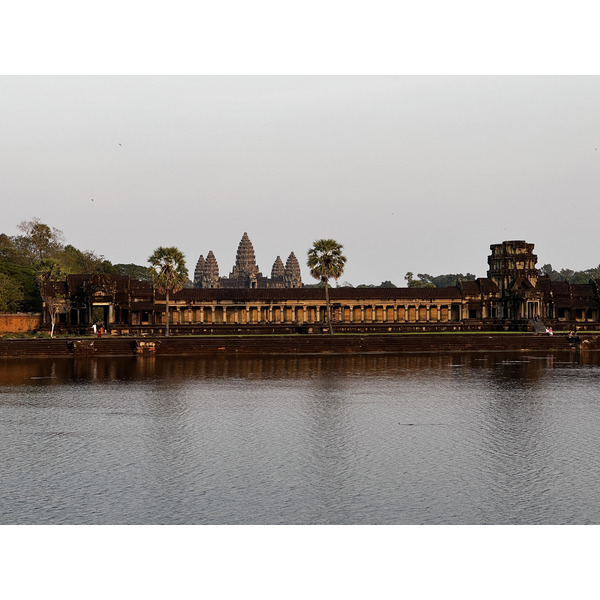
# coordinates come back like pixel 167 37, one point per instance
pixel 39 252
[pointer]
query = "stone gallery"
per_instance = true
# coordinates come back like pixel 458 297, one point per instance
pixel 512 296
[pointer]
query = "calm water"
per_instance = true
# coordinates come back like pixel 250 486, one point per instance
pixel 433 439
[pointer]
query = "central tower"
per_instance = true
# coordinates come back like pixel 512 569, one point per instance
pixel 245 260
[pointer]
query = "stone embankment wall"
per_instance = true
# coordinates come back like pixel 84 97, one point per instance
pixel 19 322
pixel 308 344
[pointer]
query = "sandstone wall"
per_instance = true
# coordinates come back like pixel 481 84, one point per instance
pixel 19 322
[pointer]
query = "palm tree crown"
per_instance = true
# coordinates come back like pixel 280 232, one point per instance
pixel 169 273
pixel 325 260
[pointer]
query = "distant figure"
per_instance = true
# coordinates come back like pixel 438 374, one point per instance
pixel 549 331
pixel 100 331
pixel 94 328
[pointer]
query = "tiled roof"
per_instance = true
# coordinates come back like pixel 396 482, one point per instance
pixel 487 285
pixel 317 294
pixel 582 289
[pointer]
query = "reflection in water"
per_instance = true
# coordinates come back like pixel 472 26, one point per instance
pixel 526 367
pixel 420 438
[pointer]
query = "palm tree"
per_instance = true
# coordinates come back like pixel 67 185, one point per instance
pixel 325 260
pixel 169 273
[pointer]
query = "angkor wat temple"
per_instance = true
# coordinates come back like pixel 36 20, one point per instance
pixel 513 296
pixel 245 273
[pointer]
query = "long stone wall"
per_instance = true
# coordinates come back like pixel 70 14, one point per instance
pixel 212 346
pixel 19 322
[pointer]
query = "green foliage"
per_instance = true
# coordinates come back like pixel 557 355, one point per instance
pixel 419 283
pixel 11 294
pixel 167 268
pixel 40 241
pixel 25 279
pixel 448 280
pixel 570 275
pixel 78 261
pixel 439 281
pixel 50 269
pixel 325 260
pixel 134 271
pixel 548 270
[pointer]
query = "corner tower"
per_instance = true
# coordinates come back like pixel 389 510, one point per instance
pixel 512 264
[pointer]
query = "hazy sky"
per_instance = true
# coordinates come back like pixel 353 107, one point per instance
pixel 409 173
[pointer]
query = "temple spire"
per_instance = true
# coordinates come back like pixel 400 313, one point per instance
pixel 199 272
pixel 211 271
pixel 292 276
pixel 278 269
pixel 245 261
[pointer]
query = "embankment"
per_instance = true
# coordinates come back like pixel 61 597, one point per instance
pixel 297 344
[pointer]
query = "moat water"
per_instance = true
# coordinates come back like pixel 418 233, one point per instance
pixel 470 438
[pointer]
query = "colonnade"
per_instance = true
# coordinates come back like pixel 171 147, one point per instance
pixel 359 313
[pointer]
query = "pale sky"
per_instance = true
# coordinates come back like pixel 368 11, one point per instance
pixel 413 173
pixel 409 173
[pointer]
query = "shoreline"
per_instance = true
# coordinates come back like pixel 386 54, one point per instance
pixel 75 347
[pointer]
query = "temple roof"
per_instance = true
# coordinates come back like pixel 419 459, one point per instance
pixel 302 294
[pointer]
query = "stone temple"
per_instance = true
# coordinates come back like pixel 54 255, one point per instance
pixel 245 273
pixel 514 296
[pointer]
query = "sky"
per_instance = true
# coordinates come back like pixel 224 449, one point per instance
pixel 409 173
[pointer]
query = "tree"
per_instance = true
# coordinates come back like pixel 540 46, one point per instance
pixel 55 304
pixel 439 281
pixel 325 260
pixel 567 274
pixel 169 273
pixel 134 271
pixel 40 240
pixel 11 294
pixel 48 272
pixel 77 261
